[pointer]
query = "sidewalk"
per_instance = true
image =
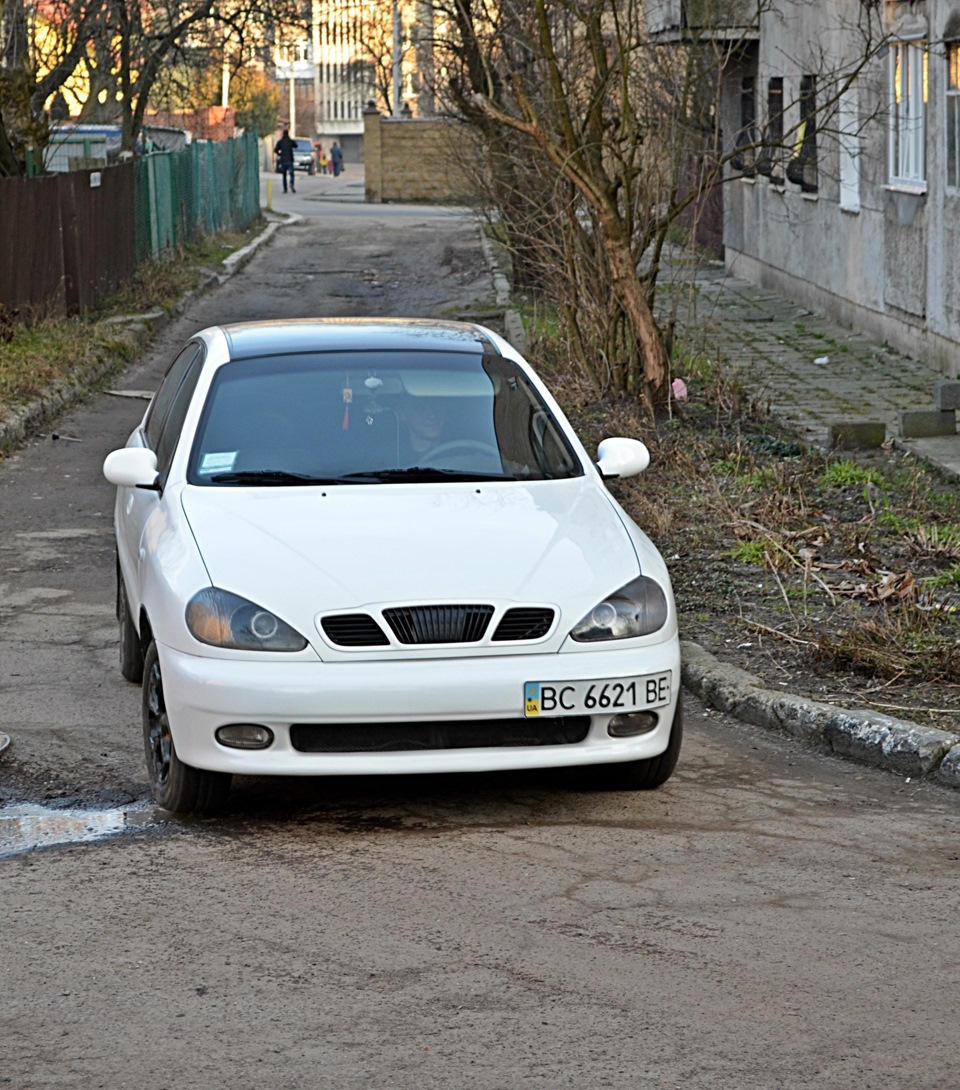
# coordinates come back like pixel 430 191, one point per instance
pixel 347 187
pixel 813 375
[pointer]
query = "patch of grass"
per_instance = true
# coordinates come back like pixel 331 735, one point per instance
pixel 752 551
pixel 948 578
pixel 847 472
pixel 892 646
pixel 45 354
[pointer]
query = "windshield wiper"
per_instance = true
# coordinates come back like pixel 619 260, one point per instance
pixel 284 477
pixel 430 473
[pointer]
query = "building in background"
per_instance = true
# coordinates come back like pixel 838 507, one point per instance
pixel 842 122
pixel 347 59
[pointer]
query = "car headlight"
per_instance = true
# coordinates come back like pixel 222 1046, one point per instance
pixel 637 609
pixel 222 619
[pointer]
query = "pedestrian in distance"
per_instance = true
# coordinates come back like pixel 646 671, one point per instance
pixel 336 158
pixel 321 157
pixel 284 150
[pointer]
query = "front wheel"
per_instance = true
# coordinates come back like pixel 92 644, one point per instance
pixel 649 773
pixel 176 786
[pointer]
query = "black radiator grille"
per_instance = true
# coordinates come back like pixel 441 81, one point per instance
pixel 524 623
pixel 439 624
pixel 447 734
pixel 354 630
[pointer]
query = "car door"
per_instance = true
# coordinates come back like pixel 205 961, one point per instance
pixel 159 432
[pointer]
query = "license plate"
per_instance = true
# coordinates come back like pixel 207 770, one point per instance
pixel 607 696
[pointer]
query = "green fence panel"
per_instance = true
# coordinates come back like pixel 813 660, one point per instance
pixel 209 187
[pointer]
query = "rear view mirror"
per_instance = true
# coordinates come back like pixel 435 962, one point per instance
pixel 132 467
pixel 622 457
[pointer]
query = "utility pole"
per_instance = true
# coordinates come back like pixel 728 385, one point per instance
pixel 225 78
pixel 397 57
pixel 315 43
pixel 293 100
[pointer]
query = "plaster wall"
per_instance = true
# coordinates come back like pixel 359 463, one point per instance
pixel 892 267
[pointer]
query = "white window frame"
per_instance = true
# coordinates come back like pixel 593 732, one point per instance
pixel 907 124
pixel 850 149
pixel 952 107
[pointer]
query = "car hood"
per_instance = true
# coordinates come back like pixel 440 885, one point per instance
pixel 300 551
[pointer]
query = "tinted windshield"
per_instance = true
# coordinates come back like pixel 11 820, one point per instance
pixel 385 417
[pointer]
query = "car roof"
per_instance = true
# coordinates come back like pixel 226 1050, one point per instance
pixel 283 337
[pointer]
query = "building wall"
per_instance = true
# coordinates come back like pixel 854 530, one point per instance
pixel 892 266
pixel 419 159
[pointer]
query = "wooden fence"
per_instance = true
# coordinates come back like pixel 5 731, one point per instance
pixel 65 239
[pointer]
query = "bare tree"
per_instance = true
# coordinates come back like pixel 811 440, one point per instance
pixel 34 67
pixel 624 141
pixel 121 48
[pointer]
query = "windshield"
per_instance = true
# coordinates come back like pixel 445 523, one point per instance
pixel 370 418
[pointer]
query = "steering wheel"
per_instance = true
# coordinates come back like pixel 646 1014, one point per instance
pixel 464 446
pixel 466 455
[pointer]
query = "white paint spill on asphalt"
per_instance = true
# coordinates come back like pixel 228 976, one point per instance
pixel 27 825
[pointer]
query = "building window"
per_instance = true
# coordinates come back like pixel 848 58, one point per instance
pixel 953 114
pixel 908 96
pixel 802 167
pixel 849 124
pixel 743 159
pixel 771 161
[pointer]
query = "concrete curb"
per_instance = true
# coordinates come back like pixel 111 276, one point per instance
pixel 859 734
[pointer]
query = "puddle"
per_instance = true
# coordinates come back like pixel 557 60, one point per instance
pixel 28 825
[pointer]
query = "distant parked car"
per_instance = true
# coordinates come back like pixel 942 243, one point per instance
pixel 377 546
pixel 303 158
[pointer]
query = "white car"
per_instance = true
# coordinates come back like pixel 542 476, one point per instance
pixel 377 546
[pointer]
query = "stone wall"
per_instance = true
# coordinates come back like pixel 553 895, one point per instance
pixel 419 159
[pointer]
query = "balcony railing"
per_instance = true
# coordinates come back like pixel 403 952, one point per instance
pixel 689 20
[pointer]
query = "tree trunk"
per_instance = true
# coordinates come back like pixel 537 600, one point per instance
pixel 632 296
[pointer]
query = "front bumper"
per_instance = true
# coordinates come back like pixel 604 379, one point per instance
pixel 203 694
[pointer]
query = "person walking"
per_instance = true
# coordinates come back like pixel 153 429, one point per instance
pixel 336 158
pixel 284 150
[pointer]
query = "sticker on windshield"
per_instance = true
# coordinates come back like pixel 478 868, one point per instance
pixel 218 461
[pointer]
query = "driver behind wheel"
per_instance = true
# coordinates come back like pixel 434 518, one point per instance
pixel 425 419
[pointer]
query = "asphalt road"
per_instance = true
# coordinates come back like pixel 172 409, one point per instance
pixel 770 918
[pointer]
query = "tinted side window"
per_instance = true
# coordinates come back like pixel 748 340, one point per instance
pixel 172 426
pixel 160 406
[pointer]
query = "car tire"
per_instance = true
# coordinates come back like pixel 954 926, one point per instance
pixel 176 786
pixel 650 773
pixel 131 650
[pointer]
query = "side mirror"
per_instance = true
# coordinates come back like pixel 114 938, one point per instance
pixel 622 457
pixel 132 467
